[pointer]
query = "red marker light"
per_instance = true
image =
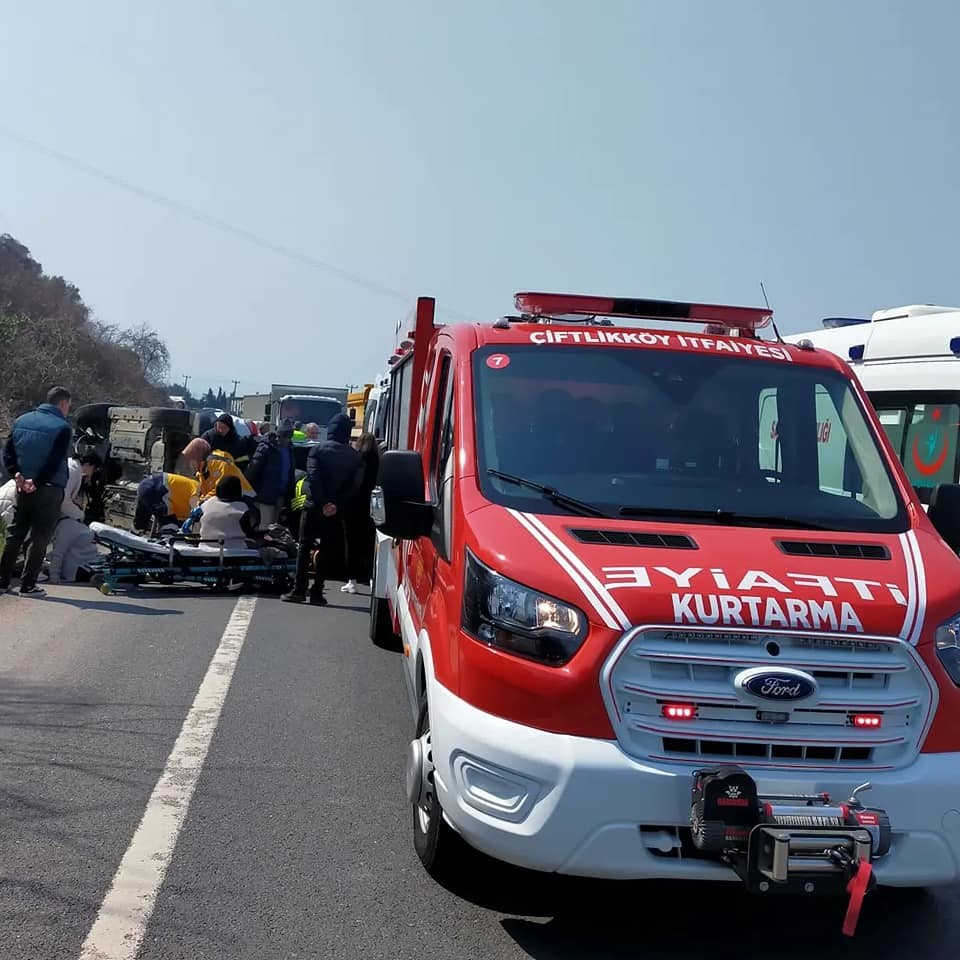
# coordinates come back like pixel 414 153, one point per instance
pixel 679 711
pixel 867 721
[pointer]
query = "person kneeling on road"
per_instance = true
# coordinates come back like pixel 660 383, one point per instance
pixel 212 466
pixel 334 473
pixel 227 516
pixel 165 497
pixel 73 544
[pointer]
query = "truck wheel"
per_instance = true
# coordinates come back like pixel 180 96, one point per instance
pixel 381 626
pixel 172 417
pixel 439 848
pixel 93 415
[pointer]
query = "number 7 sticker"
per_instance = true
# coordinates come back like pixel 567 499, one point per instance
pixel 497 361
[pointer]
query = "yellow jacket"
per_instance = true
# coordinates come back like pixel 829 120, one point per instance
pixel 217 466
pixel 181 495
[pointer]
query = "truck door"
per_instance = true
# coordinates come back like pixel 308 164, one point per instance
pixel 421 554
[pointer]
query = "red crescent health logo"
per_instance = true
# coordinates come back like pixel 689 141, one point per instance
pixel 929 468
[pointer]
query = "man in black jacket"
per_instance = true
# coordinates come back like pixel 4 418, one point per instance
pixel 36 457
pixel 334 472
pixel 223 436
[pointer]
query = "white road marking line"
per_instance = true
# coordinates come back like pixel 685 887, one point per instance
pixel 117 933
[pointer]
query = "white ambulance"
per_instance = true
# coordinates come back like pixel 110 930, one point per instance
pixel 908 361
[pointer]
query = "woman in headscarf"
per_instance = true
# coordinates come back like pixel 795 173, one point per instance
pixel 212 466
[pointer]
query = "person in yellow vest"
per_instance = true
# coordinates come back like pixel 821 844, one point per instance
pixel 166 497
pixel 212 466
pixel 297 503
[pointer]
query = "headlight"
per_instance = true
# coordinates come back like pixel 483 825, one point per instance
pixel 504 614
pixel 947 641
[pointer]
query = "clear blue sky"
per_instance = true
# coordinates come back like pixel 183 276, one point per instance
pixel 466 150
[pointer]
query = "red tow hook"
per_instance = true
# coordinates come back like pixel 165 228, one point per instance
pixel 857 888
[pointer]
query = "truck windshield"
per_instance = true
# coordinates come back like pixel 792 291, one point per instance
pixel 708 438
pixel 923 428
pixel 309 410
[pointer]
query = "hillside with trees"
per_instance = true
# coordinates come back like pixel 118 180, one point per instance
pixel 48 336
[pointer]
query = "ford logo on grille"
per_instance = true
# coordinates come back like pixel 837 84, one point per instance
pixel 779 686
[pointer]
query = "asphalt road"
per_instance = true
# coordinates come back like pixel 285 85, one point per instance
pixel 296 843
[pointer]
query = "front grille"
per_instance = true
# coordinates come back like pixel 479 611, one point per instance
pixel 656 667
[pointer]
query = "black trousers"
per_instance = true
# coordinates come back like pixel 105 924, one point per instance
pixel 35 514
pixel 314 527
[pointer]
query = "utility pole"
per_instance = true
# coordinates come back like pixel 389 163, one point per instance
pixel 186 380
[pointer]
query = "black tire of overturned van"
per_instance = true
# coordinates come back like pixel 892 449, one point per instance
pixel 172 417
pixel 94 416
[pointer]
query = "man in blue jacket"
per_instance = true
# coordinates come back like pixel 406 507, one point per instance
pixel 36 457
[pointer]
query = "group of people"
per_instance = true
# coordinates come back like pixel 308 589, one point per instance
pixel 240 487
pixel 41 503
pixel 325 508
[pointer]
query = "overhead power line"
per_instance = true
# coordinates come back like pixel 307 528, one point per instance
pixel 216 223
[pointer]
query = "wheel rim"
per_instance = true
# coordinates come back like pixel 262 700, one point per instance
pixel 424 808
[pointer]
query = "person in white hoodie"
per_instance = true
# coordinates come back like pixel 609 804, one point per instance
pixel 73 544
pixel 8 500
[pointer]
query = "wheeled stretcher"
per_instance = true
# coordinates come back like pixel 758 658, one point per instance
pixel 176 558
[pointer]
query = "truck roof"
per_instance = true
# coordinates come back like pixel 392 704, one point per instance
pixel 573 320
pixel 643 337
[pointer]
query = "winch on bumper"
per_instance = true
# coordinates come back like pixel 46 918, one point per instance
pixel 788 844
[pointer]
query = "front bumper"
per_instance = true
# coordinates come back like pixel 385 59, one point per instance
pixel 580 806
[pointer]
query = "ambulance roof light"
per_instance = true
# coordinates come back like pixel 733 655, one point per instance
pixel 534 306
pixel 832 323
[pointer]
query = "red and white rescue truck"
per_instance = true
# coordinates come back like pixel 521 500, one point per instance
pixel 657 621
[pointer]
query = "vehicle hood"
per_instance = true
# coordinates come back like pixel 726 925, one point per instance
pixel 623 574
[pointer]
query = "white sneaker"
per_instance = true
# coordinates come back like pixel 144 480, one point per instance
pixel 349 587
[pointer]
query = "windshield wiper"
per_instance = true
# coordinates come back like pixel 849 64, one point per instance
pixel 731 517
pixel 554 496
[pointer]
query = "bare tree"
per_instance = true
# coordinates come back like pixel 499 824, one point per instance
pixel 48 337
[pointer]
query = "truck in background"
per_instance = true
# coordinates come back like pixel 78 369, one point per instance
pixel 908 361
pixel 356 407
pixel 294 402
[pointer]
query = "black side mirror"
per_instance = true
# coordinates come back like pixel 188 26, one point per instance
pixel 397 504
pixel 944 513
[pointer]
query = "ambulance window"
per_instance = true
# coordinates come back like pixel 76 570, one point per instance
pixel 930 444
pixel 894 423
pixel 835 474
pixel 769 438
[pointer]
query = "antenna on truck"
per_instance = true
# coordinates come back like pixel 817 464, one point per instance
pixel 772 321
